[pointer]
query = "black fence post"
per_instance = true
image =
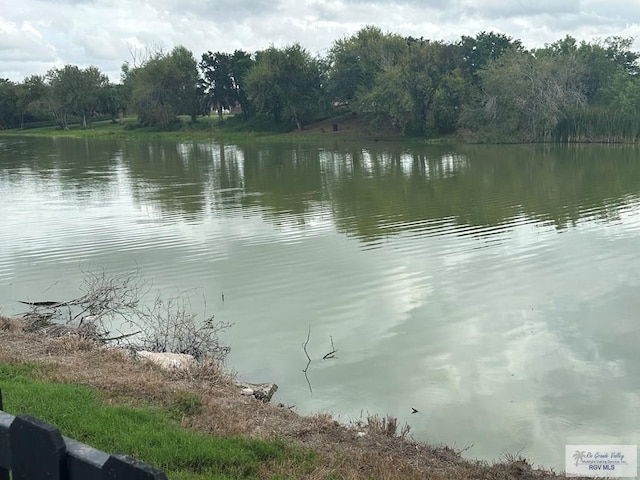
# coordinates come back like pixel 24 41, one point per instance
pixel 38 450
pixel 121 466
pixel 84 462
pixel 31 449
pixel 5 444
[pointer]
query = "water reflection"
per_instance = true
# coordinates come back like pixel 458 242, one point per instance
pixel 371 191
pixel 492 288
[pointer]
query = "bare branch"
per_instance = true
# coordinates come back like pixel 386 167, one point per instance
pixel 168 325
pixel 304 347
pixel 333 351
pixel 121 337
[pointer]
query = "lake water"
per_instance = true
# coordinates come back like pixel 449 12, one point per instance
pixel 494 289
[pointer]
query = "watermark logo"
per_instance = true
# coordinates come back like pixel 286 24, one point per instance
pixel 603 461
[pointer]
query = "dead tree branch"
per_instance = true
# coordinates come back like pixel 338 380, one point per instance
pixel 167 325
pixel 333 351
pixel 304 347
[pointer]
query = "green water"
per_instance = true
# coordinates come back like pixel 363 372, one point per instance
pixel 493 288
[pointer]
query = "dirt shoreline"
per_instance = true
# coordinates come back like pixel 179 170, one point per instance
pixel 344 451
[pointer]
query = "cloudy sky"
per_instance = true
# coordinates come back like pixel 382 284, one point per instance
pixel 36 35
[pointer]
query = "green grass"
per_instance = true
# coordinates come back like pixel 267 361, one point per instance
pixel 148 433
pixel 103 128
pixel 233 129
pixel 204 127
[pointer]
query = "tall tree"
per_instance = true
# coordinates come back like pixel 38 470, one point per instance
pixel 32 99
pixel 223 76
pixel 525 97
pixel 434 81
pixel 217 82
pixel 453 92
pixel 91 85
pixel 164 86
pixel 355 61
pixel 184 72
pixel 112 101
pixel 422 92
pixel 59 94
pixel 389 98
pixel 478 51
pixel 76 91
pixel 603 59
pixel 609 69
pixel 8 104
pixel 241 63
pixel 286 84
pixel 567 46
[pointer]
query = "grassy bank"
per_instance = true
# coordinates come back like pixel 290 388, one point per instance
pixel 591 127
pixel 146 431
pixel 345 127
pixel 204 128
pixel 196 424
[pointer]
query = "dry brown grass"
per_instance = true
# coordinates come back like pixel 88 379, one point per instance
pixel 10 324
pixel 387 426
pixel 69 344
pixel 209 401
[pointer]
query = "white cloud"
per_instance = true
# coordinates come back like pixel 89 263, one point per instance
pixel 520 8
pixel 37 35
pixel 23 43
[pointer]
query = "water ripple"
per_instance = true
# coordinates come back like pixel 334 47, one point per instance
pixel 457 284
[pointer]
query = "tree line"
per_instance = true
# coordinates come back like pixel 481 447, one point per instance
pixel 487 87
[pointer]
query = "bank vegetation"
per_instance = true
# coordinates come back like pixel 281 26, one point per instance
pixel 69 363
pixel 194 423
pixel 486 88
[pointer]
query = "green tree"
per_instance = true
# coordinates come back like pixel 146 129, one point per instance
pixel 618 51
pixel 354 62
pixel 59 94
pixel 87 102
pixel 622 94
pixel 525 97
pixel 217 82
pixel 223 76
pixel 184 72
pixel 32 99
pixel 389 98
pixel 422 92
pixel 164 86
pixel 112 101
pixel 451 95
pixel 603 59
pixel 568 46
pixel 286 84
pixel 9 116
pixel 240 67
pixel 434 81
pixel 478 51
pixel 75 91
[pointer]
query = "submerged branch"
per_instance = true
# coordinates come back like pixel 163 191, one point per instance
pixel 333 351
pixel 304 347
